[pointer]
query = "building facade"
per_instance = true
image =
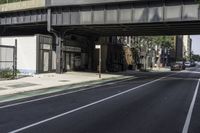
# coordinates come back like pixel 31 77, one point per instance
pixel 115 54
pixel 183 47
pixel 35 53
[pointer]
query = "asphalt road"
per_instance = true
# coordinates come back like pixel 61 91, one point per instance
pixel 152 103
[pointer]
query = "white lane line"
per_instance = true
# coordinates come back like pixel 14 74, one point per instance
pixel 86 106
pixel 189 115
pixel 195 72
pixel 62 94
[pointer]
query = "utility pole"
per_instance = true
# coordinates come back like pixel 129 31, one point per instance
pixel 15 60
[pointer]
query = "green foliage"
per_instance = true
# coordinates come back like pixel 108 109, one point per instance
pixel 7 74
pixel 163 41
pixel 3 1
pixel 196 57
pixel 198 1
pixel 10 1
pixel 151 41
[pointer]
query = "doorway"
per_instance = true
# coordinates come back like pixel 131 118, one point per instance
pixel 67 62
pixel 72 61
pixel 46 61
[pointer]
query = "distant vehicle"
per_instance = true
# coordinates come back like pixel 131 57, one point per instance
pixel 178 66
pixel 182 63
pixel 188 64
pixel 197 62
pixel 193 64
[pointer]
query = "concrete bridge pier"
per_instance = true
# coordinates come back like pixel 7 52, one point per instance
pixel 59 38
pixel 59 52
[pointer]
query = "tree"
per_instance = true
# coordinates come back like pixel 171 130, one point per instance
pixel 146 45
pixel 164 41
pixel 195 57
pixel 198 1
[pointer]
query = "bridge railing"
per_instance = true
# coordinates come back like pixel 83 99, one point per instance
pixel 17 5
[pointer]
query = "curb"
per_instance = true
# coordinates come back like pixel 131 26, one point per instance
pixel 57 89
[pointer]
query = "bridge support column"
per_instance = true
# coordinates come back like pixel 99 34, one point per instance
pixel 59 53
pixel 59 36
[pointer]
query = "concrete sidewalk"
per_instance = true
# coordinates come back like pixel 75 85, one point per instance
pixel 43 81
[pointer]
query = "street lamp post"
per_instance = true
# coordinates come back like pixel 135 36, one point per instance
pixel 100 62
pixel 99 68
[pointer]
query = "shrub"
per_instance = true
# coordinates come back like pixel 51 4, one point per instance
pixel 10 1
pixel 7 73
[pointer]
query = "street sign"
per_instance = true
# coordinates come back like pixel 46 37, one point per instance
pixel 97 46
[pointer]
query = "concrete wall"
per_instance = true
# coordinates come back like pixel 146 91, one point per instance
pixel 16 6
pixel 26 52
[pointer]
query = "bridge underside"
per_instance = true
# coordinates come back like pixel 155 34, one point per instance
pixel 172 28
pixel 132 18
pixel 29 29
pixel 184 28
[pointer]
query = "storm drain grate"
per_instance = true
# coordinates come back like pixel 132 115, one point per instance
pixel 3 88
pixel 64 81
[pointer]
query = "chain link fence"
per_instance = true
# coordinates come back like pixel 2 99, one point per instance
pixel 8 67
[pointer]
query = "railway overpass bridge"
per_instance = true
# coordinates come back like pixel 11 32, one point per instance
pixel 100 18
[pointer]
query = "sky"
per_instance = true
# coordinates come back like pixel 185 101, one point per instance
pixel 196 44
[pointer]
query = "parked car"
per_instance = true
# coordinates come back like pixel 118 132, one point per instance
pixel 177 66
pixel 190 64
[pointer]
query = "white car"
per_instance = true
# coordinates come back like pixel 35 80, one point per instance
pixel 187 64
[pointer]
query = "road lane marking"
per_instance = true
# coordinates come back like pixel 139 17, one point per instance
pixel 62 94
pixel 71 92
pixel 195 72
pixel 177 78
pixel 86 106
pixel 189 115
